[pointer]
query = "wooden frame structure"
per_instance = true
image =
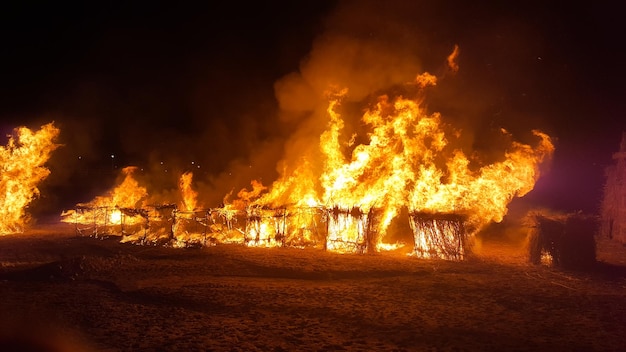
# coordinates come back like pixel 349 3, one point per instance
pixel 438 235
pixel 353 230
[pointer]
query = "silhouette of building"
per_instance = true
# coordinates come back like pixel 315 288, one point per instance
pixel 613 210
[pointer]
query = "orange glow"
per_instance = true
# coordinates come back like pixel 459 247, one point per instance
pixel 407 159
pixel 452 63
pixel 190 196
pixel 109 209
pixel 22 162
pixel 400 159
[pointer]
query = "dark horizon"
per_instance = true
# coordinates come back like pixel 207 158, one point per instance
pixel 196 85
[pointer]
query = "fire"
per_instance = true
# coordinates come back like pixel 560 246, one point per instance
pixel 452 63
pixel 126 210
pixel 22 162
pixel 406 160
pixel 189 195
pixel 344 197
pixel 113 208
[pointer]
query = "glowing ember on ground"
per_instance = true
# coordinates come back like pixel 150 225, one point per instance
pixel 22 162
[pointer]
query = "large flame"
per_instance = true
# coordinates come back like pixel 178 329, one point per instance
pixel 406 160
pixel 109 208
pixel 190 196
pixel 22 162
pixel 397 159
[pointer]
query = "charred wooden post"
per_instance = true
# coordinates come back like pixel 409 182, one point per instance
pixel 174 223
pixel 438 236
pixel 106 218
pixel 372 235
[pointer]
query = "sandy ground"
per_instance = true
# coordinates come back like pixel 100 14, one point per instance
pixel 74 293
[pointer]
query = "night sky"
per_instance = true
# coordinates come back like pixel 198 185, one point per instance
pixel 169 88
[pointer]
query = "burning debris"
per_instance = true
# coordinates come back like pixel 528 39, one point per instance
pixel 22 162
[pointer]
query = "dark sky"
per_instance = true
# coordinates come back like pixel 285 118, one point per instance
pixel 184 83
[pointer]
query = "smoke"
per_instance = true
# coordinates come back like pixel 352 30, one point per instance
pixel 201 99
pixel 364 51
pixel 372 48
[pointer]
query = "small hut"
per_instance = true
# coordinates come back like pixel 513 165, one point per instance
pixel 613 211
pixel 564 241
pixel 265 227
pixel 351 230
pixel 439 235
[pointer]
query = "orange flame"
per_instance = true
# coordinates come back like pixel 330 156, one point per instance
pixel 190 196
pixel 407 160
pixel 22 163
pixel 452 63
pixel 346 196
pixel 128 194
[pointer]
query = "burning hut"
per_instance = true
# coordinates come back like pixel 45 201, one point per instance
pixel 440 236
pixel 351 230
pixel 284 227
pixel 565 241
pixel 613 211
pixel 152 224
pixel 225 226
pixel 190 227
pixel 265 227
